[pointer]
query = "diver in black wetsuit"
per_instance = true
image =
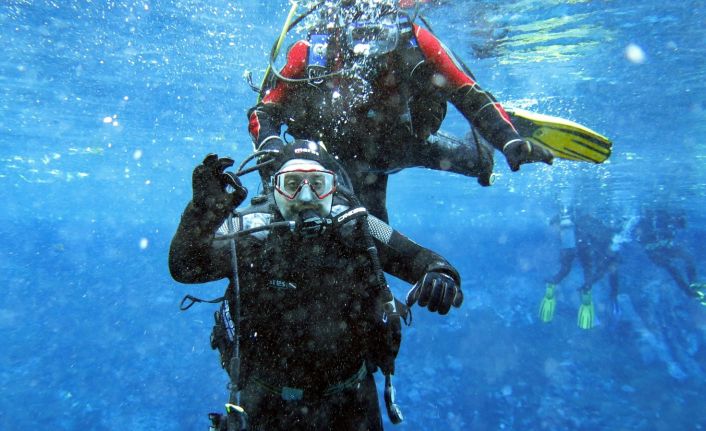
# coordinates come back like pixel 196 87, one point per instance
pixel 587 238
pixel 315 312
pixel 374 86
pixel 656 232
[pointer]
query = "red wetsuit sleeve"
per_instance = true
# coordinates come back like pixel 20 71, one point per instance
pixel 478 106
pixel 437 54
pixel 295 68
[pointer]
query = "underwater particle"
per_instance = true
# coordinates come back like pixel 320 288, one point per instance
pixel 137 155
pixel 108 119
pixel 143 243
pixel 634 54
pixel 438 80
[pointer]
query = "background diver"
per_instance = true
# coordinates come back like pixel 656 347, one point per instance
pixel 656 232
pixel 583 236
pixel 310 303
pixel 374 86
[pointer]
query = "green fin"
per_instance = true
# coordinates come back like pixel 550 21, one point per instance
pixel 699 292
pixel 564 138
pixel 586 311
pixel 546 308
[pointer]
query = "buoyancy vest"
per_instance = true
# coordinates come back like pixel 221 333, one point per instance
pixel 379 329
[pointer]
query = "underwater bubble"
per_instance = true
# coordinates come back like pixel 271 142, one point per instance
pixel 137 155
pixel 635 54
pixel 143 243
pixel 438 80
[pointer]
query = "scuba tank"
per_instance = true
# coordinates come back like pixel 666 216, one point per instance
pixel 567 231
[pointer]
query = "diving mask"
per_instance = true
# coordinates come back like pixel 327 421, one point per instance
pixel 304 185
pixel 373 37
pixel 290 183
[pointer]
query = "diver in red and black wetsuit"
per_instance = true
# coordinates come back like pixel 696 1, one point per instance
pixel 373 87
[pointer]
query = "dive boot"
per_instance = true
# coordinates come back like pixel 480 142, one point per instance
pixel 586 311
pixel 548 304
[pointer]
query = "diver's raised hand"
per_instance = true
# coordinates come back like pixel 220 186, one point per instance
pixel 519 151
pixel 436 291
pixel 210 184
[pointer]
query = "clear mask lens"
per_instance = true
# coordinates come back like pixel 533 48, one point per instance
pixel 290 183
pixel 372 38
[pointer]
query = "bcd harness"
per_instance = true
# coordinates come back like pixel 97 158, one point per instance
pixel 225 333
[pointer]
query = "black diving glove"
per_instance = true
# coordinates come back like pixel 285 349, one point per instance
pixel 518 152
pixel 436 291
pixel 210 184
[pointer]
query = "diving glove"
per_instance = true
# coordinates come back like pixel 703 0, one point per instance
pixel 436 291
pixel 211 183
pixel 548 304
pixel 586 311
pixel 519 151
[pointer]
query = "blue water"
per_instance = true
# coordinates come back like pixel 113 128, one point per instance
pixel 106 107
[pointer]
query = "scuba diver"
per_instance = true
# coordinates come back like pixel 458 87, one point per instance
pixel 587 238
pixel 307 316
pixel 374 86
pixel 656 233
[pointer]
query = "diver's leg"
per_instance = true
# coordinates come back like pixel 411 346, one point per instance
pixel 265 411
pixel 586 310
pixel 602 264
pixel 614 281
pixel 663 257
pixel 613 276
pixel 587 258
pixel 566 256
pixel 690 268
pixel 446 152
pixel 357 409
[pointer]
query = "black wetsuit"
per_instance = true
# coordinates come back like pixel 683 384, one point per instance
pixel 656 231
pixel 378 114
pixel 593 248
pixel 309 315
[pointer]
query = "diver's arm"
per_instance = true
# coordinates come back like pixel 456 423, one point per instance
pixel 404 258
pixel 265 119
pixel 478 106
pixel 195 254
